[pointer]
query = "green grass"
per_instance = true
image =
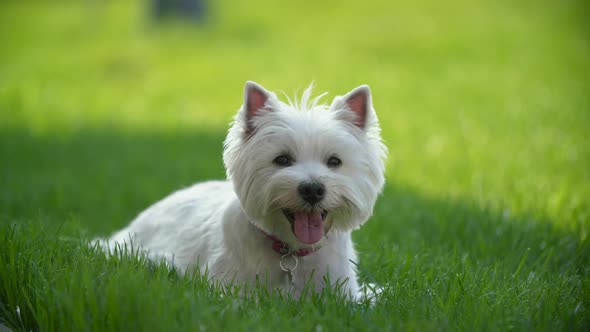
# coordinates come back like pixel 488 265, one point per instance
pixel 484 223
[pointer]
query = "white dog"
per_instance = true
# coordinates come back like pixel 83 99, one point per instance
pixel 301 176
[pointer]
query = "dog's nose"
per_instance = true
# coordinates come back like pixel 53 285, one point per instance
pixel 312 191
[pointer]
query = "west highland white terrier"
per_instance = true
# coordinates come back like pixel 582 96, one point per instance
pixel 301 177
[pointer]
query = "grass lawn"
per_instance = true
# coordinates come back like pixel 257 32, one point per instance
pixel 485 107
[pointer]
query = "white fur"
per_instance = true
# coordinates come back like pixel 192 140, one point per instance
pixel 216 225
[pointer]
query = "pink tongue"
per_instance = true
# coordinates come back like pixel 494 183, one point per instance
pixel 308 226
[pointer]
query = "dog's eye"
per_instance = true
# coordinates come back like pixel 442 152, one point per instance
pixel 284 160
pixel 334 162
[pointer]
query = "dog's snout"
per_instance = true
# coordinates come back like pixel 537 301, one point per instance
pixel 312 191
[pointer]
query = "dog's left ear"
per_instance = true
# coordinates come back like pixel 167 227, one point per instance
pixel 256 98
pixel 359 105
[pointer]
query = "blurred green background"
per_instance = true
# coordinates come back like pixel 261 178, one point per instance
pixel 484 101
pixel 484 105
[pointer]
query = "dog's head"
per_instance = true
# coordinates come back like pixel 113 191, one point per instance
pixel 302 169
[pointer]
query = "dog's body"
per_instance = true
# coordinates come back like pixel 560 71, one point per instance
pixel 303 175
pixel 225 243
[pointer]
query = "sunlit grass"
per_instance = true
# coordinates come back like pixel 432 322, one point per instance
pixel 484 106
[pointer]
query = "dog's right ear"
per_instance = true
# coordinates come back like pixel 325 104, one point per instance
pixel 256 98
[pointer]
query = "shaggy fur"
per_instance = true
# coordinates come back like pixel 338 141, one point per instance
pixel 223 226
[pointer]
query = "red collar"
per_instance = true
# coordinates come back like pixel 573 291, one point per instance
pixel 283 248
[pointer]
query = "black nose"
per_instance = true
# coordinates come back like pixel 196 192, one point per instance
pixel 312 191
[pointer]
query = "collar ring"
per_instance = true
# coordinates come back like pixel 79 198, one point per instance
pixel 289 262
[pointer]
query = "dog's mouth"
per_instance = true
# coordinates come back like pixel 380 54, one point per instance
pixel 309 226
